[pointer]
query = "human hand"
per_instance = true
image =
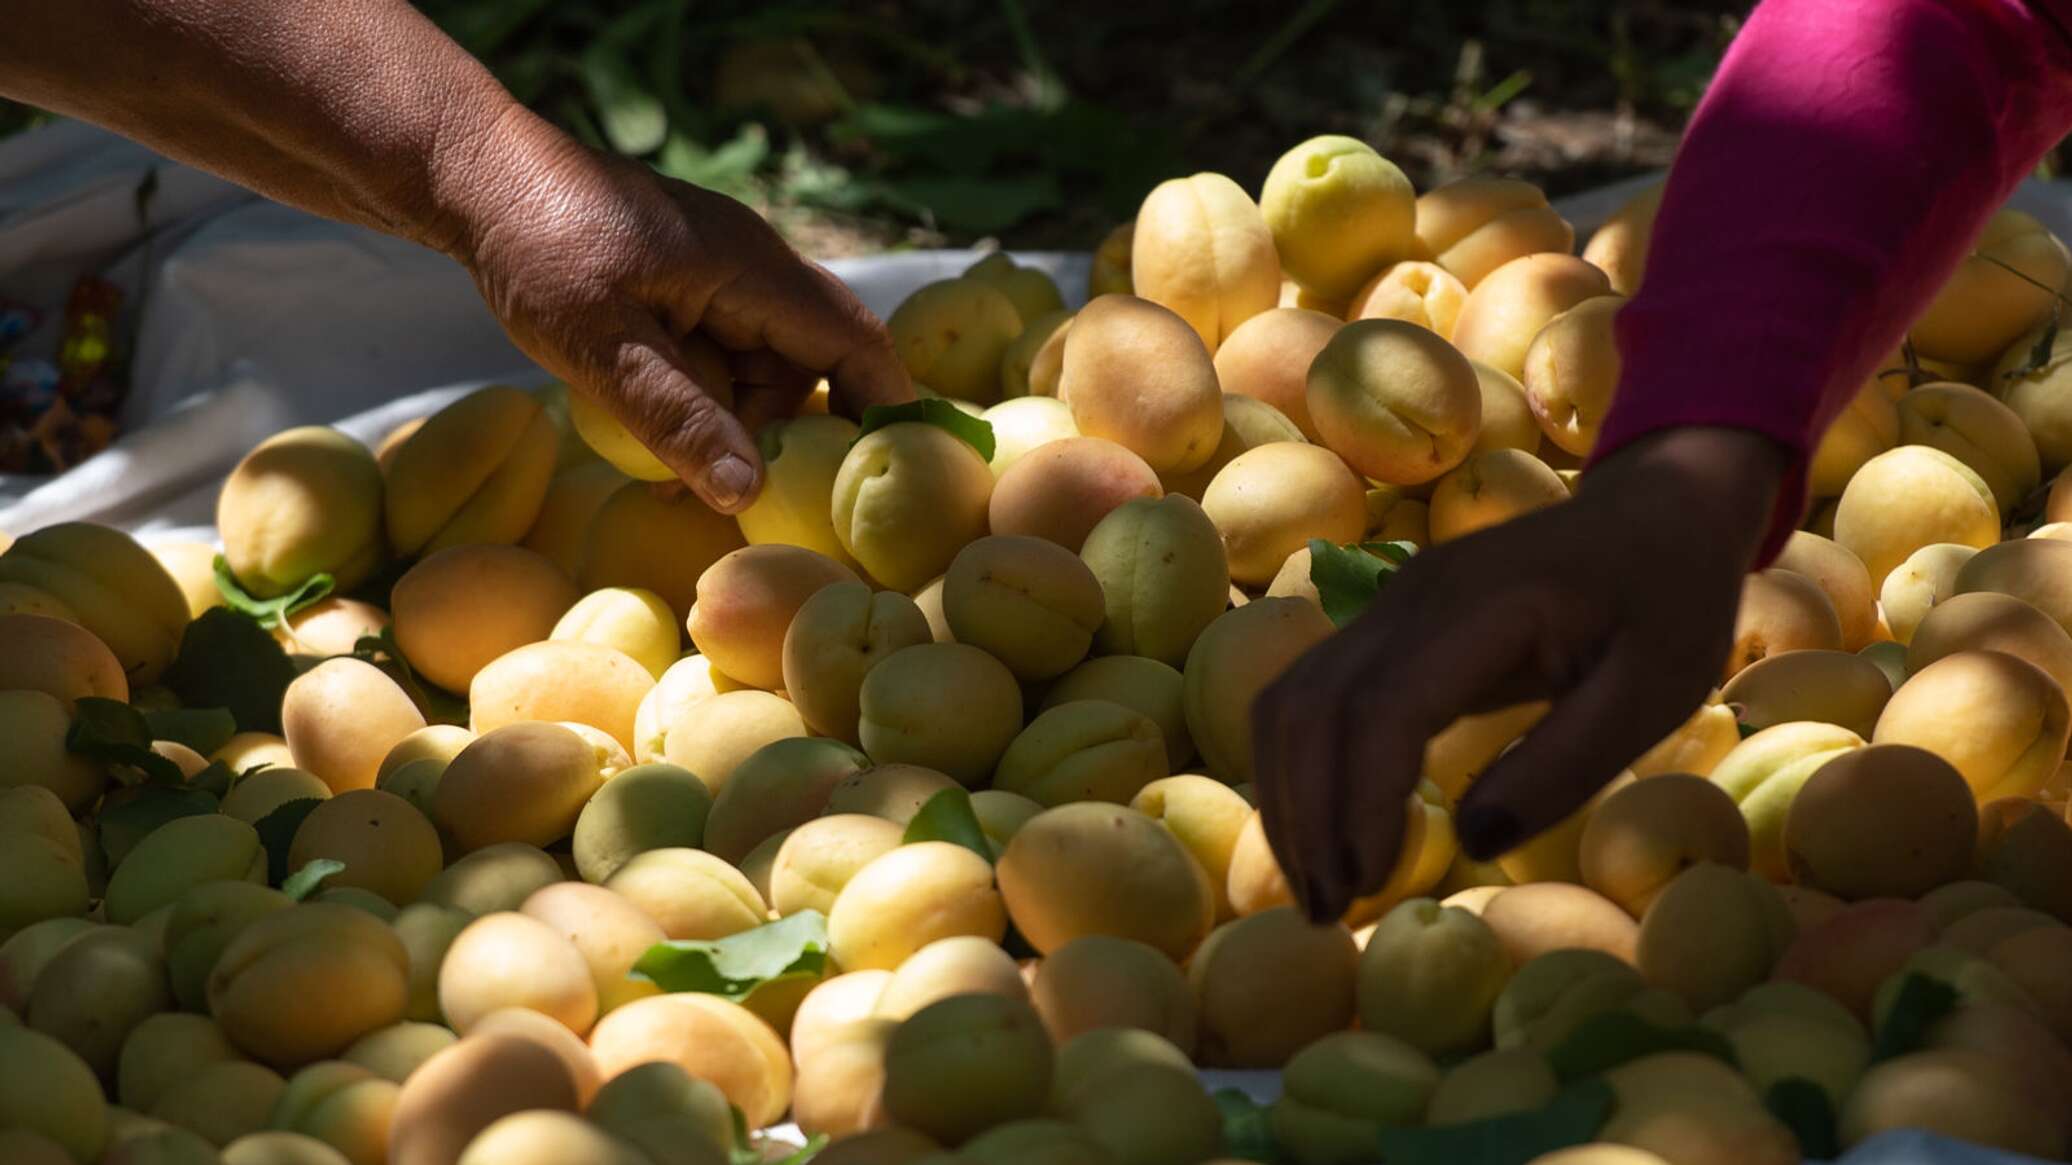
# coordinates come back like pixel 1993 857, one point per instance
pixel 596 266
pixel 1618 606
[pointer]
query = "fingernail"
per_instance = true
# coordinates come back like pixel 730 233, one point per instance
pixel 728 480
pixel 1487 832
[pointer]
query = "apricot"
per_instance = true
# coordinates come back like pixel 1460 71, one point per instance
pixel 1430 976
pixel 1833 687
pixel 303 502
pixel 1977 430
pixel 336 1105
pixel 498 877
pixel 1202 249
pixel 687 681
pixel 1554 992
pixel 2033 960
pixel 1868 425
pixel 819 858
pixel 1132 374
pixel 260 986
pixel 1060 490
pixel 1556 854
pixel 524 782
pixel 1188 1128
pixel 1492 1083
pixel 659 1099
pixel 121 595
pixel 906 499
pixel 840 1090
pixel 1533 919
pixel 651 806
pixel 1413 291
pixel 1472 226
pixel 1690 1107
pixel 514 960
pixel 1025 424
pixel 636 623
pixel 1713 932
pixel 909 897
pixel 475 471
pixel 2026 847
pixel 342 717
pixel 1620 247
pixel 1101 981
pixel 1338 212
pixel 894 792
pixel 966 1064
pixel 164 1049
pixel 1268 356
pixel 951 334
pixel 1643 834
pixel 746 602
pixel 1848 956
pixel 181 854
pixel 1270 501
pixel 563 681
pixel 94 989
pixel 1781 612
pixel 1162 572
pixel 1571 372
pixel 1842 577
pixel 1490 488
pixel 640 538
pixel 191 565
pixel 1155 892
pixel 2036 394
pixel 459 1092
pixel 2013 716
pixel 253 797
pixel 574 497
pixel 1507 309
pixel 2002 289
pixel 1985 621
pixel 2030 569
pixel 689 893
pixel 1958 1093
pixel 35 723
pixel 1924 579
pixel 1017 374
pixel 1030 603
pixel 222 1102
pixel 1397 402
pixel 708 1038
pixel 1338 1093
pixel 51 1091
pixel 332 626
pixel 948 706
pixel 1235 658
pixel 396 1051
pixel 1911 497
pixel 1979 931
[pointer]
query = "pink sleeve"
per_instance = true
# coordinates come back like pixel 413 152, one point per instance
pixel 1844 159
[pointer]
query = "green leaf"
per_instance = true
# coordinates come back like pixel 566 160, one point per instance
pixel 227 661
pixel 947 816
pixel 215 779
pixel 277 834
pixel 793 947
pixel 807 1151
pixel 304 882
pixel 632 117
pixel 1247 1129
pixel 1920 1003
pixel 124 825
pixel 269 612
pixel 438 707
pixel 728 169
pixel 1804 1108
pixel 115 733
pixel 202 729
pixel 931 411
pixel 1572 1118
pixel 1745 729
pixel 1348 577
pixel 1611 1038
pixel 977 205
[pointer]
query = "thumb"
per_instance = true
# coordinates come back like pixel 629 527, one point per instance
pixel 658 396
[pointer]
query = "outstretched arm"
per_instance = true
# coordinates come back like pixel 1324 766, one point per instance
pixel 362 110
pixel 1838 169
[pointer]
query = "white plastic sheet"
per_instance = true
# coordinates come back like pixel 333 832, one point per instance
pixel 256 318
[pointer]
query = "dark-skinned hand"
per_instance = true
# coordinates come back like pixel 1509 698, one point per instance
pixel 1618 606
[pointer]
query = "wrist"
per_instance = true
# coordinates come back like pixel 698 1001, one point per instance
pixel 1719 480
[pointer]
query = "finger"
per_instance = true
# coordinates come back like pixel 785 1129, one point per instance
pixel 1620 708
pixel 768 388
pixel 657 395
pixel 1422 685
pixel 1282 716
pixel 801 312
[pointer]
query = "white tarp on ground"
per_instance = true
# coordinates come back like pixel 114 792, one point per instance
pixel 255 318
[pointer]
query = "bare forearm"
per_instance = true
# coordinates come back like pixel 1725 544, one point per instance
pixel 359 110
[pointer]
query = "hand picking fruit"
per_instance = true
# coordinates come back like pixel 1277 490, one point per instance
pixel 479 801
